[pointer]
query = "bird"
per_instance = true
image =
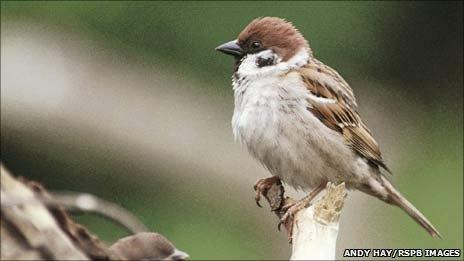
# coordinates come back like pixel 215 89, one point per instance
pixel 299 118
pixel 146 246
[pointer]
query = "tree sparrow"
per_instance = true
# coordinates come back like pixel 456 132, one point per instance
pixel 299 118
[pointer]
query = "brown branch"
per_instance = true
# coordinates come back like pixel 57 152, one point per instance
pixel 83 202
pixel 31 230
pixel 35 225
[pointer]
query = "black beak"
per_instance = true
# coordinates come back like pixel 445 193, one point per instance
pixel 230 48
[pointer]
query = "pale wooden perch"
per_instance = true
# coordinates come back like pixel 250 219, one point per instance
pixel 315 229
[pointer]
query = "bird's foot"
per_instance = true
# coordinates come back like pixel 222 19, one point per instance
pixel 291 208
pixel 263 185
pixel 288 219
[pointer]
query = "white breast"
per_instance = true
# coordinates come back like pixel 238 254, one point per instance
pixel 271 118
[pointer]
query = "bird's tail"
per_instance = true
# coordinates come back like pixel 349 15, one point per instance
pixel 392 196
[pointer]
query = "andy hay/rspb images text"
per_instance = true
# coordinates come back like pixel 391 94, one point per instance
pixel 398 252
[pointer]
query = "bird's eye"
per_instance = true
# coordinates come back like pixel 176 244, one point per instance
pixel 255 45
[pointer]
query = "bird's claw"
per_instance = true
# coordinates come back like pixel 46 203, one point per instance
pixel 288 219
pixel 262 186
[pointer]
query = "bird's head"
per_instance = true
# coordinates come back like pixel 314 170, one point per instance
pixel 267 41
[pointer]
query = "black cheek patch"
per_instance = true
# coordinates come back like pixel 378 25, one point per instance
pixel 262 62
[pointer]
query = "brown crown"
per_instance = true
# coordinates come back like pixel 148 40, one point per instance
pixel 276 34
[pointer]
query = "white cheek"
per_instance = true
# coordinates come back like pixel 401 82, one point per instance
pixel 250 69
pixel 249 65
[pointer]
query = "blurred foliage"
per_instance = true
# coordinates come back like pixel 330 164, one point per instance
pixel 413 44
pixel 369 37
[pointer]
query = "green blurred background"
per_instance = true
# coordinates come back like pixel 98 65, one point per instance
pixel 129 101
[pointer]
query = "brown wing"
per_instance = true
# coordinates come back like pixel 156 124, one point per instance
pixel 334 104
